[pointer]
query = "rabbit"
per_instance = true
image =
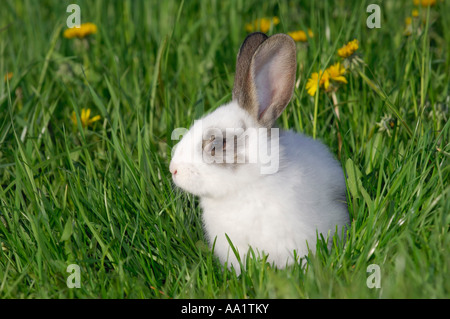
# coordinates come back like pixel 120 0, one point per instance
pixel 278 212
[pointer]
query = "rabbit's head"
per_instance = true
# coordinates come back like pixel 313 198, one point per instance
pixel 225 150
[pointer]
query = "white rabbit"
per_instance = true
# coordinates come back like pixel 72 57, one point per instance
pixel 276 211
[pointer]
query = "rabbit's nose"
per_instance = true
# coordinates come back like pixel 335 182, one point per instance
pixel 173 169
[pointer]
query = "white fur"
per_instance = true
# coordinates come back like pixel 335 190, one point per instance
pixel 274 213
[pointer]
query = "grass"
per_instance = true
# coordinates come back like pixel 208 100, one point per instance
pixel 101 197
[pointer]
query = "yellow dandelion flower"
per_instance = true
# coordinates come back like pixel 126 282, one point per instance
pixel 85 118
pixel 262 24
pixel 314 83
pixel 415 13
pixel 298 36
pixel 424 3
pixel 408 21
pixel 8 76
pixel 70 33
pixel 336 73
pixel 87 29
pixel 348 49
pixel 83 31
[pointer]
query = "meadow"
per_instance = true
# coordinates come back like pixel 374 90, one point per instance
pixel 85 145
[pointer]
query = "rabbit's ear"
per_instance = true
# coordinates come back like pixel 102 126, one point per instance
pixel 244 58
pixel 271 79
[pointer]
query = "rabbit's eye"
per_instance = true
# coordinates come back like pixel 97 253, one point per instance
pixel 217 144
pixel 208 142
pixel 212 144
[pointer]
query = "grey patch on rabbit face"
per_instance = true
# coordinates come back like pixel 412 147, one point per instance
pixel 225 161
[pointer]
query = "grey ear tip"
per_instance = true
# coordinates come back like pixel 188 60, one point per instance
pixel 280 36
pixel 257 33
pixel 285 40
pixel 253 36
pixel 285 37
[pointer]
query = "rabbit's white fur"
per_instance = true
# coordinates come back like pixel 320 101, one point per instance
pixel 275 214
